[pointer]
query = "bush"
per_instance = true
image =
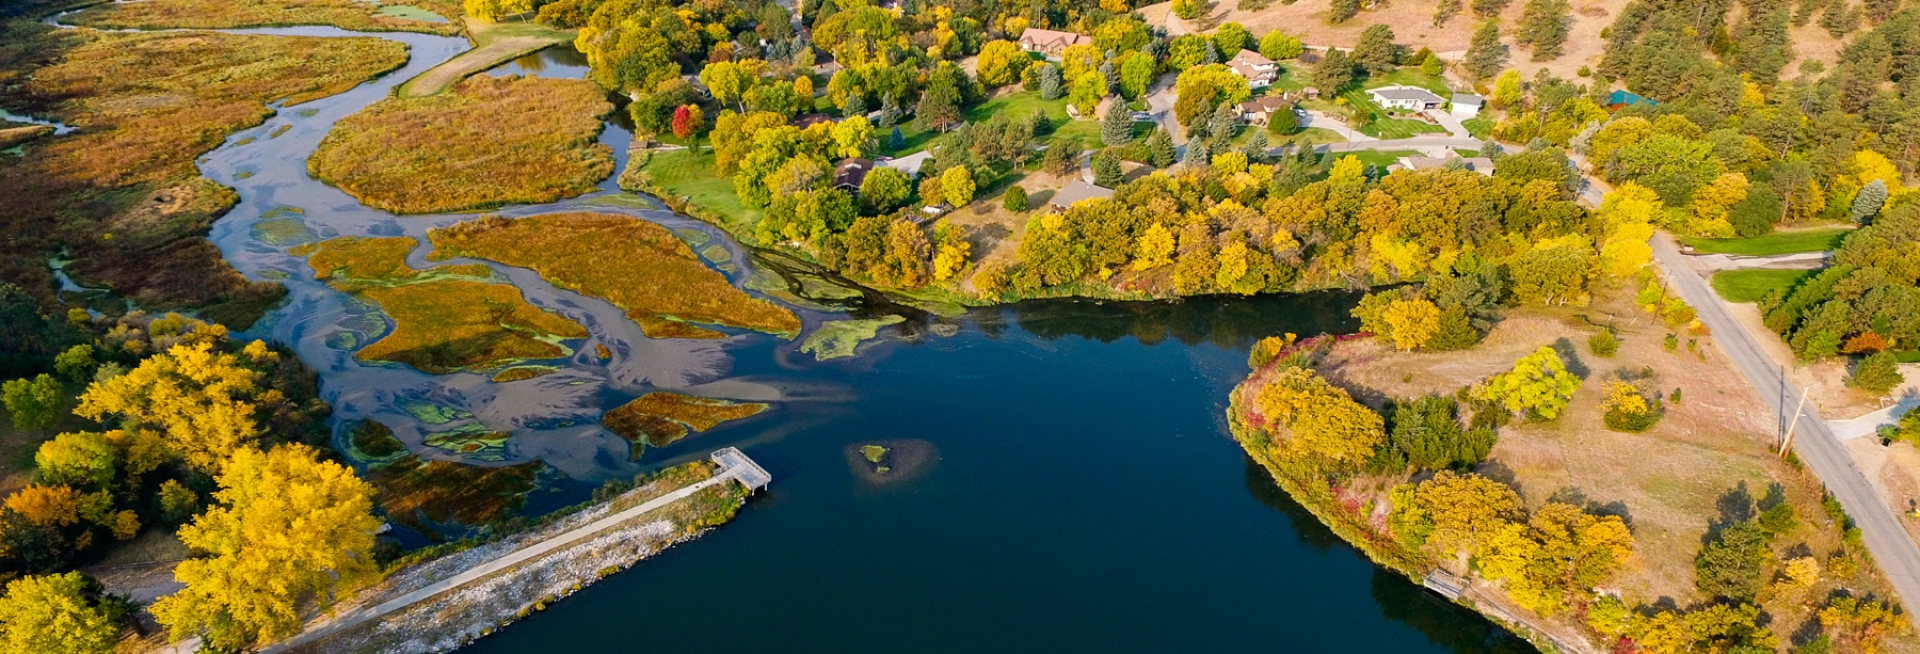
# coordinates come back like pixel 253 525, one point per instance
pixel 1456 331
pixel 1628 409
pixel 1603 344
pixel 1878 373
pixel 1015 199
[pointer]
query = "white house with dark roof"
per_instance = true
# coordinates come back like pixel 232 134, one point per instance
pixel 1466 105
pixel 1259 71
pixel 1409 98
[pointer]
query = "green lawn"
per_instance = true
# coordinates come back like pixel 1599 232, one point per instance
pixel 1015 105
pixel 1806 240
pixel 1754 285
pixel 1381 159
pixel 1410 76
pixel 685 174
pixel 1480 127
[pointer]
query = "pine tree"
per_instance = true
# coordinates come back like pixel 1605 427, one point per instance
pixel 1197 153
pixel 1486 56
pixel 1256 148
pixel 889 113
pixel 1543 27
pixel 1113 76
pixel 1116 128
pixel 1051 86
pixel 1160 148
pixel 1341 10
pixel 1283 121
pixel 1445 11
pixel 1489 8
pixel 1106 169
pixel 1374 50
pixel 1220 127
pixel 1334 73
pixel 896 140
pixel 1868 202
pixel 856 106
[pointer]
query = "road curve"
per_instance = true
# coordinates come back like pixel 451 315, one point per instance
pixel 1893 550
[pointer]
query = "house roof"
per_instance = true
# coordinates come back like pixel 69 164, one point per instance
pixel 1480 165
pixel 1078 190
pixel 1251 57
pixel 1040 38
pixel 1468 100
pixel 1403 92
pixel 1627 97
pixel 810 120
pixel 1265 104
pixel 1252 72
pixel 850 173
pixel 909 164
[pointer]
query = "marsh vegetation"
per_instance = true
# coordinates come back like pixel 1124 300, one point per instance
pixel 217 14
pixel 660 419
pixel 640 267
pixel 492 141
pixel 444 319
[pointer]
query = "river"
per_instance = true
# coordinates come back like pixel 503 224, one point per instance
pixel 1075 486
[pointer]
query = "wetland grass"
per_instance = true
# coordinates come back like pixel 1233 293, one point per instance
pixel 354 15
pixel 445 319
pixel 492 141
pixel 634 264
pixel 659 419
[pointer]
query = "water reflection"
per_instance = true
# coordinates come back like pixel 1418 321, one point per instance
pixel 1224 322
pixel 559 61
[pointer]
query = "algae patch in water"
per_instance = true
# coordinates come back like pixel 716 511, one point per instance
pixel 841 338
pixel 522 373
pixel 660 419
pixel 445 319
pixel 282 226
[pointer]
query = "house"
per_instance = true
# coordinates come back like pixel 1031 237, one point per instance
pixel 1480 165
pixel 1049 42
pixel 909 164
pixel 1259 110
pixel 1410 98
pixel 810 120
pixel 1259 71
pixel 1467 105
pixel 850 173
pixel 1310 93
pixel 1618 99
pixel 1074 192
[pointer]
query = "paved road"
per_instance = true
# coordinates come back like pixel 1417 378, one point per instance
pixel 363 614
pixel 1893 550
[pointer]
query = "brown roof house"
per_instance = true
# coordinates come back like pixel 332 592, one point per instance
pixel 1050 42
pixel 850 173
pixel 1259 110
pixel 1258 70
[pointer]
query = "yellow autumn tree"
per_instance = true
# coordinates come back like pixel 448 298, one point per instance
pixel 1559 553
pixel 1154 248
pixel 1411 322
pixel 1712 202
pixel 1627 217
pixel 1325 422
pixel 46 506
pixel 51 614
pixel 1464 509
pixel 1233 264
pixel 287 526
pixel 196 397
pixel 76 459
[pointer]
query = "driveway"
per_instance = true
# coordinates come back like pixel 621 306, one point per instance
pixel 1447 120
pixel 1326 122
pixel 1893 550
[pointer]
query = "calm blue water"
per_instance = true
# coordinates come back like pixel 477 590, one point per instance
pixel 1085 497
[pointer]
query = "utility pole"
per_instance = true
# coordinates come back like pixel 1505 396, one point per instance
pixel 1788 441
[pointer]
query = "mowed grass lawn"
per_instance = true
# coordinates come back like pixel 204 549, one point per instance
pixel 1754 285
pixel 1806 240
pixel 689 175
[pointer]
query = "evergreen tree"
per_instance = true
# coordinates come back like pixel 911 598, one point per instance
pixel 889 113
pixel 1486 56
pixel 1220 127
pixel 1445 11
pixel 1341 10
pixel 1051 86
pixel 1256 148
pixel 1113 76
pixel 1015 200
pixel 1283 121
pixel 1375 49
pixel 1160 150
pixel 1116 128
pixel 1543 27
pixel 1106 169
pixel 856 106
pixel 896 140
pixel 1197 153
pixel 1334 73
pixel 1489 8
pixel 1868 202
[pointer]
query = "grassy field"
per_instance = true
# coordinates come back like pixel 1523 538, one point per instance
pixel 1754 285
pixel 683 173
pixel 659 419
pixel 224 14
pixel 638 266
pixel 121 195
pixel 1382 159
pixel 1804 240
pixel 493 44
pixel 444 320
pixel 492 141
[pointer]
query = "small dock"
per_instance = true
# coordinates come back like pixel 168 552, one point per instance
pixel 735 464
pixel 1445 583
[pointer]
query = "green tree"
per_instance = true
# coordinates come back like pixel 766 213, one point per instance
pixel 56 614
pixel 1051 84
pixel 1106 169
pixel 76 363
pixel 729 81
pixel 1136 74
pixel 1334 73
pixel 885 189
pixel 1015 199
pixel 1603 344
pixel 1375 51
pixel 1444 11
pixel 1339 11
pixel 34 403
pixel 1189 9
pixel 1116 128
pixel 289 527
pixel 1160 151
pixel 1278 46
pixel 1538 384
pixel 1231 38
pixel 956 186
pixel 1544 25
pixel 1283 121
pixel 1877 373
pixel 1486 55
pixel 1489 8
pixel 78 459
pixel 1733 565
pixel 1868 201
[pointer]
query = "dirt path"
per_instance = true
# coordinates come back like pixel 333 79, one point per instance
pixel 444 76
